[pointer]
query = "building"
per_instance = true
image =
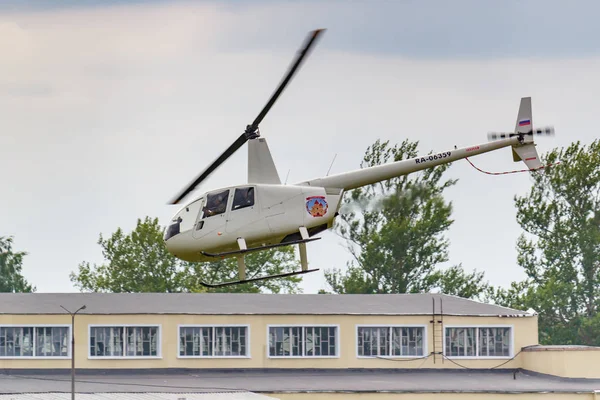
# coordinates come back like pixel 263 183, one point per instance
pixel 138 396
pixel 285 346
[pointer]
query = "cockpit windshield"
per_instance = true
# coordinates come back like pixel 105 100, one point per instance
pixel 173 229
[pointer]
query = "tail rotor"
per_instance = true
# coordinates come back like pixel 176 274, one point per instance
pixel 524 149
pixel 544 131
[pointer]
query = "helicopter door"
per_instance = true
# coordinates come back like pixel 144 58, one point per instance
pixel 213 215
pixel 244 210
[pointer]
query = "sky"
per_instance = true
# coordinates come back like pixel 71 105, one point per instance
pixel 110 107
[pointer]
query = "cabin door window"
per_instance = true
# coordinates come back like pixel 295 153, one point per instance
pixel 213 215
pixel 216 204
pixel 243 197
pixel 244 210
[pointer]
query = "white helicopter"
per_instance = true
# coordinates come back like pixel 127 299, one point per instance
pixel 263 213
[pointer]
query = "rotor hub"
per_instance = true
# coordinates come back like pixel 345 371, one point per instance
pixel 251 132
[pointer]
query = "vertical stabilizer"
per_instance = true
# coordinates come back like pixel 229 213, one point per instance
pixel 528 154
pixel 524 117
pixel 526 151
pixel 261 168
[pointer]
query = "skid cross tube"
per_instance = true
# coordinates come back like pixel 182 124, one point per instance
pixel 252 249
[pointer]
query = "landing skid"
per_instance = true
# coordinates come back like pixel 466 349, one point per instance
pixel 242 265
pixel 261 278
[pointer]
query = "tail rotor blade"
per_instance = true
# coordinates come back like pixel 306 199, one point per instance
pixel 500 135
pixel 542 131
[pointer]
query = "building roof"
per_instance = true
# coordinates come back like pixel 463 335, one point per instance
pixel 243 303
pixel 241 395
pixel 299 381
pixel 260 304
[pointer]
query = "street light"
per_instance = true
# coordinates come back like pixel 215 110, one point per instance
pixel 73 348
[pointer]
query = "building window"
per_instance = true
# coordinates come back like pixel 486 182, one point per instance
pixel 29 341
pixel 478 342
pixel 399 341
pixel 494 342
pixel 303 341
pixel 124 341
pixel 52 341
pixel 213 341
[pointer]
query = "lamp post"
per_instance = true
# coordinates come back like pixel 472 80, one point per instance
pixel 73 348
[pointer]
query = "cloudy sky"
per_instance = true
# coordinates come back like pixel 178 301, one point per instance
pixel 110 107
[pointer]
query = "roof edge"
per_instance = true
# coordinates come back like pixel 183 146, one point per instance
pixel 284 313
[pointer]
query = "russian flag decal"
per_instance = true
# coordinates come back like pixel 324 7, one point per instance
pixel 525 122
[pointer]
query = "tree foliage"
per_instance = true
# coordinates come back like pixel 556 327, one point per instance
pixel 559 249
pixel 139 262
pixel 395 232
pixel 11 265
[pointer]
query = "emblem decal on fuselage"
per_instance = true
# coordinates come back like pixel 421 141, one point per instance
pixel 316 206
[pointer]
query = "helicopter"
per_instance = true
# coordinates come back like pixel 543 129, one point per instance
pixel 264 213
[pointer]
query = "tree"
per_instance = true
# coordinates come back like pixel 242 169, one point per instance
pixel 11 264
pixel 395 232
pixel 559 249
pixel 139 262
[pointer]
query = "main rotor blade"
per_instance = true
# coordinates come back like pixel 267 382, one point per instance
pixel 301 55
pixel 250 132
pixel 211 168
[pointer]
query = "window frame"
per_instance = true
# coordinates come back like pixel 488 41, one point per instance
pixel 126 357
pixel 337 340
pixel 390 326
pixel 36 357
pixel 511 347
pixel 248 341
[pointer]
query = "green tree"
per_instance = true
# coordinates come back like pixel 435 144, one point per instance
pixel 559 249
pixel 139 262
pixel 395 232
pixel 11 264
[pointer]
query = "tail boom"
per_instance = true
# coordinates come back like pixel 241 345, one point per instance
pixel 367 176
pixel 521 142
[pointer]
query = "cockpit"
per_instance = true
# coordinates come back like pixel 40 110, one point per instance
pixel 184 219
pixel 214 204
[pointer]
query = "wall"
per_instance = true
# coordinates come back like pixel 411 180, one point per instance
pixel 525 333
pixel 565 361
